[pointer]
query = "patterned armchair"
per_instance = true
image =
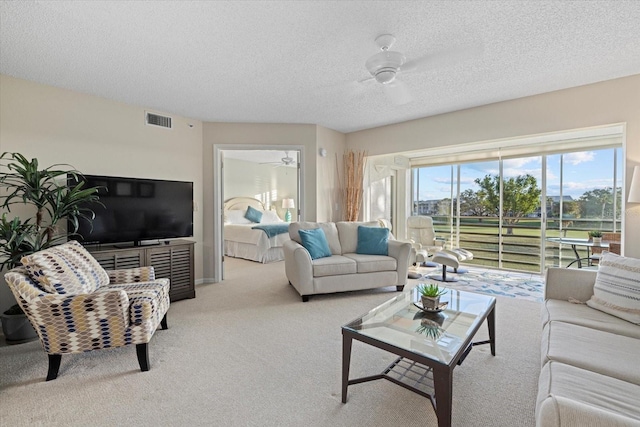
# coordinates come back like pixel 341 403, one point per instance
pixel 76 306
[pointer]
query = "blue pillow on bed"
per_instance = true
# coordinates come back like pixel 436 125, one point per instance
pixel 315 242
pixel 253 215
pixel 373 241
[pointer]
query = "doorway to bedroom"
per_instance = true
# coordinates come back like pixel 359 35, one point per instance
pixel 264 178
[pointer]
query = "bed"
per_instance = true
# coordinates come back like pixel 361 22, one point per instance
pixel 241 240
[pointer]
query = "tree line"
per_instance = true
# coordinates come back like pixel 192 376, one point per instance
pixel 521 198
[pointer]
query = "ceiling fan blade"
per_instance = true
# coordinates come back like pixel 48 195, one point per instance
pixel 398 92
pixel 444 58
pixel 367 79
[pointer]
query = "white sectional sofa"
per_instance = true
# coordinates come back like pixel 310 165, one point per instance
pixel 590 359
pixel 344 270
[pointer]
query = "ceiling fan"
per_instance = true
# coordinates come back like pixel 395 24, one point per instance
pixel 284 161
pixel 386 65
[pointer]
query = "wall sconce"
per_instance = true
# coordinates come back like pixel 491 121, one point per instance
pixel 322 152
pixel 634 190
pixel 288 204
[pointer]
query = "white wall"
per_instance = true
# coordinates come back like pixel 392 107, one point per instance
pixel 264 182
pixel 98 136
pixel 613 101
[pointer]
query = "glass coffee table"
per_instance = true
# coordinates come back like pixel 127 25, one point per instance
pixel 429 345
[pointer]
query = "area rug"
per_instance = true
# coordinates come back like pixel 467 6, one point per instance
pixel 510 284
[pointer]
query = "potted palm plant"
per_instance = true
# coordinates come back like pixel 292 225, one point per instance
pixel 43 199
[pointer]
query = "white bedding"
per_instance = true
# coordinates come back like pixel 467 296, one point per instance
pixel 240 241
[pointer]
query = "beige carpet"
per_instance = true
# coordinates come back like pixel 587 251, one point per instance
pixel 248 352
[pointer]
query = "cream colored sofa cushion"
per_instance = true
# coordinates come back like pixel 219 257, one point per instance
pixel 570 396
pixel 597 351
pixel 373 263
pixel 334 265
pixel 583 315
pixel 330 232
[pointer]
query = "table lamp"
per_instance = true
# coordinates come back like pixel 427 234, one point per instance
pixel 287 204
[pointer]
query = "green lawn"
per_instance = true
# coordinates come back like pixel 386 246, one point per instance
pixel 521 249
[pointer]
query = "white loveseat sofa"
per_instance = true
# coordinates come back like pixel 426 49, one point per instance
pixel 590 372
pixel 344 270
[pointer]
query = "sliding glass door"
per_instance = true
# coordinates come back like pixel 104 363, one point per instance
pixel 479 212
pixel 584 193
pixel 504 210
pixel 434 189
pixel 521 196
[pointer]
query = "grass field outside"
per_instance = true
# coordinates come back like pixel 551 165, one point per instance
pixel 521 250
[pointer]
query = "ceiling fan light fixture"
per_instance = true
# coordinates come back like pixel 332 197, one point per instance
pixel 385 75
pixel 384 65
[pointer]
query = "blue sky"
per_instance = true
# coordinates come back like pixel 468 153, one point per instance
pixel 583 171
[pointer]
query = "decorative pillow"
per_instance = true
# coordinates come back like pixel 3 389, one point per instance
pixel 617 287
pixel 373 241
pixel 253 214
pixel 330 233
pixel 315 242
pixel 270 217
pixel 66 269
pixel 348 233
pixel 235 216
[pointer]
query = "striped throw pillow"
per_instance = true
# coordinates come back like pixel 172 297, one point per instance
pixel 617 287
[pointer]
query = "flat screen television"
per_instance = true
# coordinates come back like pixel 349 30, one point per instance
pixel 136 210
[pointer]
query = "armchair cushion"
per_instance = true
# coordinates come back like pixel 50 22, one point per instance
pixel 66 269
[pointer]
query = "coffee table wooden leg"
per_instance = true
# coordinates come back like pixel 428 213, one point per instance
pixel 346 361
pixel 443 385
pixel 491 324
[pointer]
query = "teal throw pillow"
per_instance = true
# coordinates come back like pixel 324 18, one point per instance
pixel 253 215
pixel 315 242
pixel 373 241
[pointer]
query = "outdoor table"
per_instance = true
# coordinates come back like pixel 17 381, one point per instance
pixel 578 242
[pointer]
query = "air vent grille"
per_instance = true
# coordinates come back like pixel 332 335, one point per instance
pixel 158 120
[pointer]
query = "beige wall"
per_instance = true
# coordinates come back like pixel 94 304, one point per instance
pixel 254 134
pixel 613 101
pixel 98 136
pixel 329 203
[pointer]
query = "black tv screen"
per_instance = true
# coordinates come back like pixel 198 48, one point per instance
pixel 136 210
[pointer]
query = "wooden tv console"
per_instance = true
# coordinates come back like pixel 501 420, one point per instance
pixel 173 260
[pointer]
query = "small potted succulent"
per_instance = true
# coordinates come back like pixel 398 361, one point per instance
pixel 430 295
pixel 596 236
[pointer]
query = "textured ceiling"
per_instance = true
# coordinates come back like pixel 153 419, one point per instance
pixel 300 62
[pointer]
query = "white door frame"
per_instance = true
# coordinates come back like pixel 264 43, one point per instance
pixel 218 202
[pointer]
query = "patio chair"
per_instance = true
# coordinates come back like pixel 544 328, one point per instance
pixel 422 236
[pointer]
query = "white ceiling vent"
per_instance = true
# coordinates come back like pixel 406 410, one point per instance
pixel 158 120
